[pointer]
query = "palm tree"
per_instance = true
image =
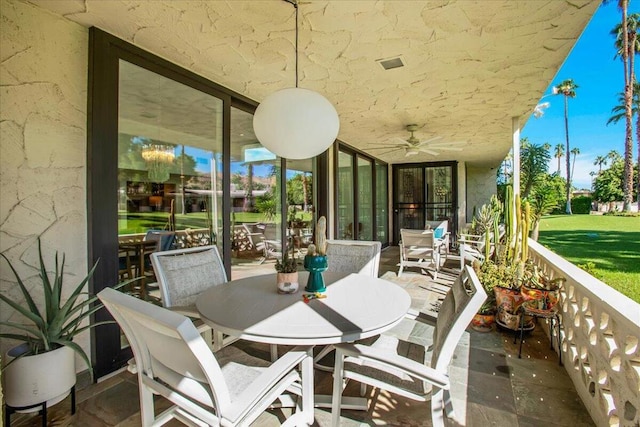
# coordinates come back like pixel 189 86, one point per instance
pixel 600 161
pixel 567 88
pixel 614 156
pixel 575 151
pixel 534 161
pixel 626 46
pixel 619 112
pixel 559 152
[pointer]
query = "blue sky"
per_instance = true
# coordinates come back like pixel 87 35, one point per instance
pixel 599 76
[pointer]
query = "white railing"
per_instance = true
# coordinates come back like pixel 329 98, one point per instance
pixel 600 341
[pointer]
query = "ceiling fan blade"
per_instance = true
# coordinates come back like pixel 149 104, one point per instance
pixel 448 144
pixel 394 147
pixel 384 144
pixel 426 141
pixel 426 150
pixel 402 141
pixel 387 152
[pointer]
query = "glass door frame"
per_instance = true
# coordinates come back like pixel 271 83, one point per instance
pixel 105 52
pixel 453 165
pixel 355 154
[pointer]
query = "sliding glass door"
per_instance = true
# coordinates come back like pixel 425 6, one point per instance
pixel 361 187
pixel 424 192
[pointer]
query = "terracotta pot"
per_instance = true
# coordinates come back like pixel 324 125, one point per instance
pixel 483 322
pixel 287 282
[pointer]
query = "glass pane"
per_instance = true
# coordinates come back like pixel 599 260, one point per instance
pixel 345 196
pixel 410 198
pixel 439 194
pixel 300 204
pixel 255 201
pixel 169 163
pixel 382 203
pixel 365 199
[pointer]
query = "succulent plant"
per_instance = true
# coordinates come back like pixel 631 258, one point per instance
pixel 321 236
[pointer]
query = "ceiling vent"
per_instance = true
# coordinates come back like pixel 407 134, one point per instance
pixel 391 63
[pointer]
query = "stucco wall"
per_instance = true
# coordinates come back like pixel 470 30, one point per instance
pixel 43 97
pixel 481 185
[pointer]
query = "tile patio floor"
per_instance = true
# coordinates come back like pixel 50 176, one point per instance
pixel 491 387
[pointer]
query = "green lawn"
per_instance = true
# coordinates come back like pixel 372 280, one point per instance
pixel 612 243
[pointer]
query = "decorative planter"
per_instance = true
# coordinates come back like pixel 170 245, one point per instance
pixel 509 302
pixel 287 282
pixel 544 299
pixel 315 265
pixel 508 299
pixel 483 322
pixel 32 380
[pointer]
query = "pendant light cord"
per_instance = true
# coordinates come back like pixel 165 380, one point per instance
pixel 295 5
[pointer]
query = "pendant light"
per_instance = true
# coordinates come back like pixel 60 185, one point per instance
pixel 296 123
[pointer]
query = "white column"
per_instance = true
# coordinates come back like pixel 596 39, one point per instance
pixel 515 126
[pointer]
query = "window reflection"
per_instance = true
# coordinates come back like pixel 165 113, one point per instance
pixel 169 173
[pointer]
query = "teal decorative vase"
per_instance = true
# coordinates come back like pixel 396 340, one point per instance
pixel 315 265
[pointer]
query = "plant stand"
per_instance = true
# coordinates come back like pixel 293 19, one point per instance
pixel 11 409
pixel 528 309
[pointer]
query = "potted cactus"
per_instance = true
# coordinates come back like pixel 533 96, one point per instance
pixel 315 262
pixel 287 277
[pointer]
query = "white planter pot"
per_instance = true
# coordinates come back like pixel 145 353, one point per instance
pixel 46 377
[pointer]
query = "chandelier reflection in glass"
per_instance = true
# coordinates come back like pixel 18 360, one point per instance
pixel 159 158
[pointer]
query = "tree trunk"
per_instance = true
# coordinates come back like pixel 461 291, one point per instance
pixel 628 99
pixel 566 131
pixel 638 142
pixel 536 230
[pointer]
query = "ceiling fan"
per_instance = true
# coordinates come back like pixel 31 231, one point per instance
pixel 413 145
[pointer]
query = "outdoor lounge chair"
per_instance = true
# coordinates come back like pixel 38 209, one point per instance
pixel 401 367
pixel 229 388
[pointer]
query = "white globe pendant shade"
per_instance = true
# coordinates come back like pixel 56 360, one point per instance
pixel 296 123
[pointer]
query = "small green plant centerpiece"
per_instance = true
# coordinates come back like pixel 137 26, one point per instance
pixel 287 277
pixel 42 368
pixel 315 262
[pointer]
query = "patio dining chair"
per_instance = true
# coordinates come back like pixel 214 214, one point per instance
pixel 229 388
pixel 350 256
pixel 401 367
pixel 183 274
pixel 354 256
pixel 419 248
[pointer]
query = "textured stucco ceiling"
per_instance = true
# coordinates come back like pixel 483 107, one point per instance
pixel 470 66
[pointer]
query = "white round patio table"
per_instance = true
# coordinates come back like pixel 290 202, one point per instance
pixel 356 306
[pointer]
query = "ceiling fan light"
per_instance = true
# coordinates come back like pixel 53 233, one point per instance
pixel 411 151
pixel 296 123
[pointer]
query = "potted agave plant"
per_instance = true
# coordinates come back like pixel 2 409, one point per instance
pixel 41 369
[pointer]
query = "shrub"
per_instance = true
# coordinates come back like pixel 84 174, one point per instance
pixel 581 205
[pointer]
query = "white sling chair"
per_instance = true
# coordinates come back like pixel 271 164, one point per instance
pixel 183 274
pixel 419 248
pixel 381 364
pixel 229 388
pixel 350 256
